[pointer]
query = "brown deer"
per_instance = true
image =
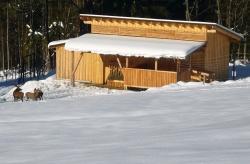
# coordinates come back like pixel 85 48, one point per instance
pixel 32 96
pixel 17 94
pixel 40 93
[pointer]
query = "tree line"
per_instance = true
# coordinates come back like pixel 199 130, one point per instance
pixel 27 26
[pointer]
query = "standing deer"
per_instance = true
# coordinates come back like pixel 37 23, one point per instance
pixel 17 94
pixel 38 94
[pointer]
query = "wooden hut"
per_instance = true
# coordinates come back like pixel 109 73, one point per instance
pixel 140 52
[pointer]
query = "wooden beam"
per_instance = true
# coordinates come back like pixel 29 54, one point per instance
pixel 125 87
pixel 126 62
pixel 119 62
pixel 72 68
pixel 156 64
pixel 190 62
pixel 77 64
pixel 178 63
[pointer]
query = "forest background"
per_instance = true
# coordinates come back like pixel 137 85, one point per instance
pixel 27 26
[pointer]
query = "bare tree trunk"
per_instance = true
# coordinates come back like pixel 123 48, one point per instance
pixel 7 37
pixel 196 8
pixel 229 14
pixel 2 42
pixel 187 11
pixel 218 11
pixel 47 20
pixel 19 39
pixel 32 40
pixel 48 62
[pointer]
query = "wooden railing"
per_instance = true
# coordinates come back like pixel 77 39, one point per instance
pixel 143 78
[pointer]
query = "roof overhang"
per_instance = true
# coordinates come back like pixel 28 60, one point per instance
pixel 226 31
pixel 54 44
pixel 131 46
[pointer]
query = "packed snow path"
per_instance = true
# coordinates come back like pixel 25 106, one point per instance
pixel 183 123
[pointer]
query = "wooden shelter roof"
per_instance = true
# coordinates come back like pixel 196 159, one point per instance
pixel 131 46
pixel 224 30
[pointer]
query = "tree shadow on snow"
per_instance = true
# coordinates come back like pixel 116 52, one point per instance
pixel 18 81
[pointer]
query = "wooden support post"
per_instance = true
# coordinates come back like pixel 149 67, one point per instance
pixel 190 63
pixel 125 87
pixel 72 69
pixel 119 62
pixel 77 65
pixel 190 68
pixel 75 68
pixel 126 62
pixel 178 63
pixel 156 64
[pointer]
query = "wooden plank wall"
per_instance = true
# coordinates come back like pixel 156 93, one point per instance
pixel 164 30
pixel 198 59
pixel 142 78
pixel 217 55
pixel 90 68
pixel 63 63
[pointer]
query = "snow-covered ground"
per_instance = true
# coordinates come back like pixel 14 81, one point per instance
pixel 55 89
pixel 179 123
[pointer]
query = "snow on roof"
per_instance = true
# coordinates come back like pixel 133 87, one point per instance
pixel 166 20
pixel 132 46
pixel 57 42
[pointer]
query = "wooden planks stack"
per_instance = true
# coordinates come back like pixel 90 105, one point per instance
pixel 202 76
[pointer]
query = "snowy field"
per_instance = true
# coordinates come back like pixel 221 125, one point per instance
pixel 180 123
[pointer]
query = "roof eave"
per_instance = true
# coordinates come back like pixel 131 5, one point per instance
pixel 235 37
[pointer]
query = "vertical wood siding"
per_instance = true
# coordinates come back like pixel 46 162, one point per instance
pixel 217 55
pixel 198 60
pixel 154 31
pixel 143 78
pixel 89 69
